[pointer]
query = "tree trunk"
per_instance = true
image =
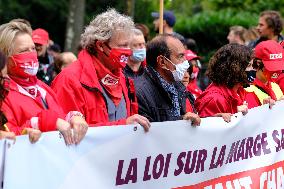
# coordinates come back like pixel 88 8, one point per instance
pixel 75 25
pixel 130 8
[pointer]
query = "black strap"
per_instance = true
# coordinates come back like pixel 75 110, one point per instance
pixel 260 88
pixel 44 103
pixel 130 94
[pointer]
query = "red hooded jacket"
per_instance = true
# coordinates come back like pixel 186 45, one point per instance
pixel 78 89
pixel 19 108
pixel 218 99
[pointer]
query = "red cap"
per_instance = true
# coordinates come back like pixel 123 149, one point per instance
pixel 271 54
pixel 40 36
pixel 189 55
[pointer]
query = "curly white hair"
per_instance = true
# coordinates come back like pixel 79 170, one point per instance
pixel 103 26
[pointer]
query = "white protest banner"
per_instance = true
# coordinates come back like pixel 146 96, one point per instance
pixel 246 153
pixel 2 155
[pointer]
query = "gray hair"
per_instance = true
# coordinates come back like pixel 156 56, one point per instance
pixel 137 32
pixel 103 26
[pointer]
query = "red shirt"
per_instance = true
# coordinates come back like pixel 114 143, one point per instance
pixel 78 89
pixel 218 99
pixel 19 107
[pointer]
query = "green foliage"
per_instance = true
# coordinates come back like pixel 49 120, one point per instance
pixel 95 7
pixel 50 15
pixel 210 28
pixel 207 21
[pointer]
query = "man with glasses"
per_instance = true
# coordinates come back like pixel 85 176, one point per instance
pixel 160 92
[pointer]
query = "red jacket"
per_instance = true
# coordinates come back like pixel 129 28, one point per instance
pixel 218 99
pixel 78 89
pixel 194 89
pixel 19 107
pixel 280 81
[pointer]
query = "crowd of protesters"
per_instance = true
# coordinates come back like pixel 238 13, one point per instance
pixel 121 77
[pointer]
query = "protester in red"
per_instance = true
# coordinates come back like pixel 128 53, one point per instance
pixel 4 131
pixel 46 61
pixel 189 102
pixel 268 60
pixel 192 86
pixel 280 78
pixel 225 95
pixel 31 106
pixel 95 84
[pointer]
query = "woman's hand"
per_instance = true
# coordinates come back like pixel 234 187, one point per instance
pixel 226 116
pixel 243 108
pixel 8 135
pixel 80 128
pixel 65 129
pixel 269 101
pixel 34 134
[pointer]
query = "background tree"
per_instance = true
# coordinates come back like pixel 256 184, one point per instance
pixel 75 23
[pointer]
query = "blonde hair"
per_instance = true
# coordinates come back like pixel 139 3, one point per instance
pixel 239 31
pixel 103 26
pixel 8 33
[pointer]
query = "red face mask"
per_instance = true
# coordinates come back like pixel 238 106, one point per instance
pixel 26 64
pixel 195 72
pixel 118 57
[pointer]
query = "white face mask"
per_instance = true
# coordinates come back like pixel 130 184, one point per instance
pixel 32 70
pixel 181 68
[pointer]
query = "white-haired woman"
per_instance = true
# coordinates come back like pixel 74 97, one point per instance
pixel 31 106
pixel 95 84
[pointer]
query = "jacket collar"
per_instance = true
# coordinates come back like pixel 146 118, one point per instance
pixel 130 72
pixel 88 76
pixel 15 87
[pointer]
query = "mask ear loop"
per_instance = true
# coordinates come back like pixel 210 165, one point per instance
pixel 170 62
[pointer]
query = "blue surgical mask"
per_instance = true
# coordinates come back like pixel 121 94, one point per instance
pixel 138 55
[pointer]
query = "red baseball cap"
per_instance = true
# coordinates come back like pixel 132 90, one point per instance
pixel 271 54
pixel 189 55
pixel 40 36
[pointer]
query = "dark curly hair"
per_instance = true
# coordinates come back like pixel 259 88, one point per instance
pixel 273 20
pixel 227 66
